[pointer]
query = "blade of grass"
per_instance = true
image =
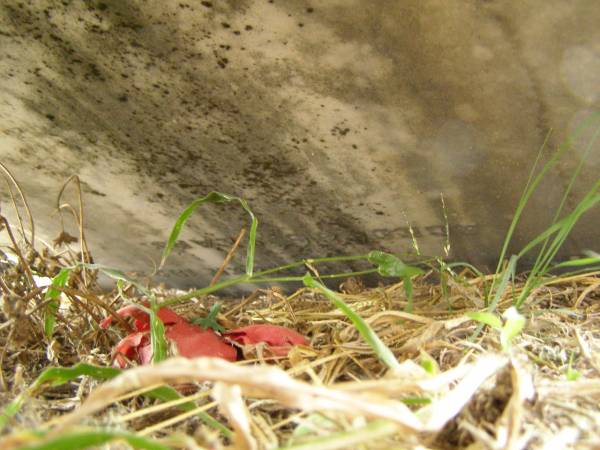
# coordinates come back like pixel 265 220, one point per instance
pixel 244 279
pixel 514 323
pixel 157 329
pixel 475 270
pixel 118 275
pixel 486 318
pixel 56 376
pixel 577 262
pixel 210 321
pixel 157 337
pixel 312 261
pixel 213 197
pixel 376 429
pixel 389 265
pixel 300 278
pixel 167 394
pixel 381 350
pixel 53 295
pixel 592 270
pixel 508 273
pixel 561 229
pixel 542 254
pixel 532 184
pixel 82 439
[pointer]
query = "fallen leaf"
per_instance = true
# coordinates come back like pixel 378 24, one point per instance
pixel 141 319
pixel 279 339
pixel 192 341
pixel 135 347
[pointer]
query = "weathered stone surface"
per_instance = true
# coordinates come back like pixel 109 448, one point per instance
pixel 339 121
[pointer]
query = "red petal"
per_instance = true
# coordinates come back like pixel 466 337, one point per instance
pixel 129 346
pixel 279 339
pixel 170 317
pixel 192 341
pixel 145 353
pixel 142 320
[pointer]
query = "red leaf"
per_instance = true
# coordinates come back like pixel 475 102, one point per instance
pixel 279 339
pixel 193 341
pixel 141 319
pixel 145 353
pixel 132 347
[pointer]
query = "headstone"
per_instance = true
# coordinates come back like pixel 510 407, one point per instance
pixel 340 122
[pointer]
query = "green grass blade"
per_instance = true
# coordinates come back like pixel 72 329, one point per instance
pixel 486 318
pixel 561 230
pixel 167 394
pixel 475 270
pixel 578 262
pixel 572 374
pixel 515 322
pixel 353 438
pixel 533 182
pixel 82 439
pixel 210 321
pixel 11 409
pixel 530 187
pixel 118 275
pixel 588 202
pixel 381 350
pixel 206 290
pixel 245 279
pixel 157 338
pixel 56 376
pixel 509 272
pixel 213 197
pixel 331 276
pixel 158 341
pixel 157 329
pixel 389 265
pixel 412 401
pixel 53 294
pixel 311 261
pixel 543 236
pixel 61 375
pixel 586 270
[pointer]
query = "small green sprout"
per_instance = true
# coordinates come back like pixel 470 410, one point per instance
pixel 513 324
pixel 572 374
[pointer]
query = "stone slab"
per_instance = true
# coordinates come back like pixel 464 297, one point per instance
pixel 340 122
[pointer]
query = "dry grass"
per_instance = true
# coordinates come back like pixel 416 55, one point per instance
pixel 333 393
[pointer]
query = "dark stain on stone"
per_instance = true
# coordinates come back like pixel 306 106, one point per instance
pixel 339 131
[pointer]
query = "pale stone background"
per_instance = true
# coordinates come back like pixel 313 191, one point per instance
pixel 339 121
